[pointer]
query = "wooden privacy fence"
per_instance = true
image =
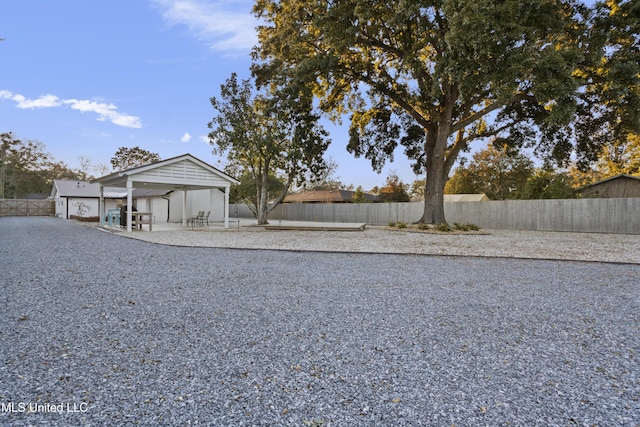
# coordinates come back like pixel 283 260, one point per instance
pixel 26 207
pixel 576 215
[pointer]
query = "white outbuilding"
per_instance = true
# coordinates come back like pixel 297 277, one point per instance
pixel 198 186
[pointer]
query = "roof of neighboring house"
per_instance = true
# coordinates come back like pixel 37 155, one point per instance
pixel 84 189
pixel 611 178
pixel 326 196
pixel 466 197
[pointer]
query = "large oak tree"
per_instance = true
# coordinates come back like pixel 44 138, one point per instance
pixel 432 75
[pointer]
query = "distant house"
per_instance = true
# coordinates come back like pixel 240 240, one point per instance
pixel 619 186
pixel 481 197
pixel 327 196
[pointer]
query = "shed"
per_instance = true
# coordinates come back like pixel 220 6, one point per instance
pixel 481 197
pixel 618 186
pixel 182 173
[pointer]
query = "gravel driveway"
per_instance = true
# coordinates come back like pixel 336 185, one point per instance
pixel 117 331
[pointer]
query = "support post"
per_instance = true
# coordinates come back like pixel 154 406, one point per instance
pixel 129 205
pixel 184 207
pixel 226 206
pixel 101 205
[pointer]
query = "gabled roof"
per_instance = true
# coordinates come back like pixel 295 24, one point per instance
pixel 72 188
pixel 611 178
pixel 326 196
pixel 181 172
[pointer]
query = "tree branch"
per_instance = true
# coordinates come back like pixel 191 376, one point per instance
pixel 488 109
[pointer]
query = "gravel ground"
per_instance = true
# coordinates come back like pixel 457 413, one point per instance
pixel 117 331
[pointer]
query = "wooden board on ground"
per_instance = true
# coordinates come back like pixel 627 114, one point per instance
pixel 314 226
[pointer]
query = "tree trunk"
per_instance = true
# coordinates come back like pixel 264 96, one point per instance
pixel 262 204
pixel 434 192
pixel 435 150
pixel 262 195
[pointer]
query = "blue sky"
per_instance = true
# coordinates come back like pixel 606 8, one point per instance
pixel 87 77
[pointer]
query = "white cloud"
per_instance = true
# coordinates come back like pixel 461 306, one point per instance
pixel 186 137
pixel 45 101
pixel 204 138
pixel 222 24
pixel 105 112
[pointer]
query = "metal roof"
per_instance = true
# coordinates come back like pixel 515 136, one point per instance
pixel 611 178
pixel 84 189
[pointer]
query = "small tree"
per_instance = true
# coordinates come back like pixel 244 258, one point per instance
pixel 85 165
pixel 498 173
pixel 326 180
pixel 127 158
pixel 394 190
pixel 245 192
pixel 267 134
pixel 546 183
pixel 359 196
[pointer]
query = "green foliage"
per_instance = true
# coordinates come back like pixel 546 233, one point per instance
pixel 427 75
pixel 465 227
pixel 609 105
pixel 548 184
pixel 423 226
pixel 359 196
pixel 444 227
pixel 127 158
pixel 245 192
pixel 394 190
pixel 401 224
pixel 26 168
pixel 498 173
pixel 267 133
pixel 324 179
pixel 620 156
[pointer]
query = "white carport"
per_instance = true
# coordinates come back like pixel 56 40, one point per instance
pixel 183 173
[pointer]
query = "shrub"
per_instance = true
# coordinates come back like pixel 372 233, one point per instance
pixel 401 224
pixel 465 227
pixel 423 226
pixel 391 224
pixel 444 227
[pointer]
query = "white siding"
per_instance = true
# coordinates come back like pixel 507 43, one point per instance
pixel 183 172
pixel 198 200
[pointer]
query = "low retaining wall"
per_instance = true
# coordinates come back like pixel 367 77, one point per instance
pixel 577 215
